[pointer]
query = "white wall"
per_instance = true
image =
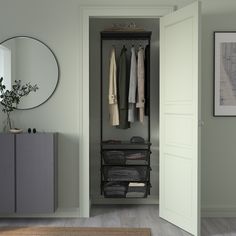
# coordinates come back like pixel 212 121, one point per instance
pixel 56 23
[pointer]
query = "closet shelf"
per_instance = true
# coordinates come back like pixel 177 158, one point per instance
pixel 124 197
pixel 127 145
pixel 126 35
pixel 125 164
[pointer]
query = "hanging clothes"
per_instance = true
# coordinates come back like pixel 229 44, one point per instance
pixel 123 89
pixel 147 80
pixel 112 94
pixel 140 71
pixel 132 87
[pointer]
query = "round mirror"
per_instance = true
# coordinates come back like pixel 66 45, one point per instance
pixel 31 61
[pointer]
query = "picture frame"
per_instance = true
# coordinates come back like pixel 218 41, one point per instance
pixel 224 73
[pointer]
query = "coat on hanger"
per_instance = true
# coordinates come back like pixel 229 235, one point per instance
pixel 132 86
pixel 140 71
pixel 123 88
pixel 112 93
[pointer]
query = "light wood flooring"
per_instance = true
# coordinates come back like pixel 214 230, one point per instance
pixel 131 216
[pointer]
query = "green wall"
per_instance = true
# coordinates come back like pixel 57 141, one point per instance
pixel 218 133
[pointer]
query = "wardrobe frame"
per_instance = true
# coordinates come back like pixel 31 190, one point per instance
pixel 126 35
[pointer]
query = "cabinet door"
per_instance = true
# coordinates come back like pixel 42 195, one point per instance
pixel 35 173
pixel 179 115
pixel 7 173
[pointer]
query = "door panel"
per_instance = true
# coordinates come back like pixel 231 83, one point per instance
pixel 179 115
pixel 178 38
pixel 172 165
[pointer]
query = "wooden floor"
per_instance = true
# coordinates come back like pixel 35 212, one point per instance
pixel 131 216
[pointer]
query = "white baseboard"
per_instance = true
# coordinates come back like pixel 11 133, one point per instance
pixel 219 211
pixel 60 213
pixel 153 200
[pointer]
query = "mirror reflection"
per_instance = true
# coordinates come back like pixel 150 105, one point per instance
pixel 31 61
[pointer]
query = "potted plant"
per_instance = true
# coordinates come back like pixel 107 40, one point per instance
pixel 11 98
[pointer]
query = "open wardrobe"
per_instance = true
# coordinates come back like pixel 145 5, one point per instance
pixel 141 92
pixel 124 99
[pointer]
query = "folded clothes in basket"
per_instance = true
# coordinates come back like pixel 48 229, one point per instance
pixel 114 157
pixel 134 184
pixel 136 162
pixel 115 194
pixel 115 186
pixel 137 189
pixel 136 156
pixel 135 194
pixel 115 189
pixel 124 174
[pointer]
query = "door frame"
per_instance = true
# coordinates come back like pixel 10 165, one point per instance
pixel 85 13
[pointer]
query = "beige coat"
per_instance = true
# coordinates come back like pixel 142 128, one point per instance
pixel 140 71
pixel 112 94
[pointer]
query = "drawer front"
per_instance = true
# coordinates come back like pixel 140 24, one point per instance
pixel 126 157
pixel 126 173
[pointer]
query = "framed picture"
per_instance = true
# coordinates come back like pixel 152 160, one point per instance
pixel 224 73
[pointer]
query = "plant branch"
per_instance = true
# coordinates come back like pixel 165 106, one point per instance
pixel 11 98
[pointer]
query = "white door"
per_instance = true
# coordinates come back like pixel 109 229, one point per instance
pixel 179 116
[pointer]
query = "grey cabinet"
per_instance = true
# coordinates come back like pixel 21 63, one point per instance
pixel 34 172
pixel 7 173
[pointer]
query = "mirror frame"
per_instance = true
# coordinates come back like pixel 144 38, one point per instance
pixel 57 63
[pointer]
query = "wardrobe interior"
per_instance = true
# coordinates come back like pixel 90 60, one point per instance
pixel 99 63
